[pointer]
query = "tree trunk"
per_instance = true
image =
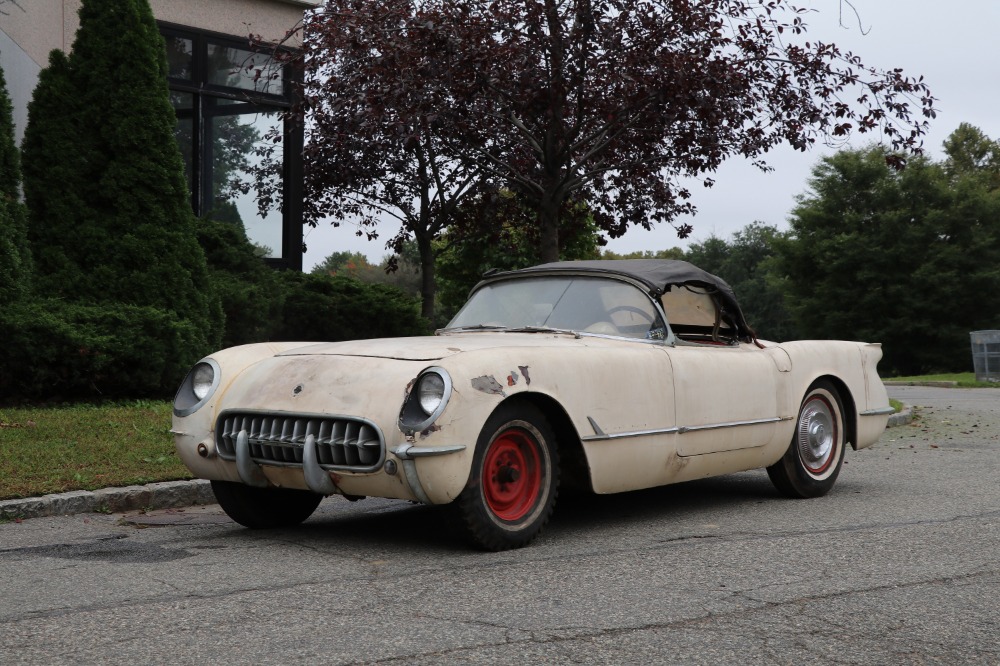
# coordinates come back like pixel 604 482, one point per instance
pixel 427 283
pixel 548 226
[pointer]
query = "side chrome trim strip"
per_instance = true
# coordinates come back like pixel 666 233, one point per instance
pixel 879 412
pixel 733 424
pixel 624 435
pixel 680 430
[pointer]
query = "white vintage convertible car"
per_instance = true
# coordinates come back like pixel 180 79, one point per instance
pixel 610 375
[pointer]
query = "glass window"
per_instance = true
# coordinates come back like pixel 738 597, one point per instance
pixel 227 99
pixel 587 305
pixel 180 57
pixel 232 140
pixel 243 69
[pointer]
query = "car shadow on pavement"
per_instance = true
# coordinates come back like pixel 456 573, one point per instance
pixel 395 524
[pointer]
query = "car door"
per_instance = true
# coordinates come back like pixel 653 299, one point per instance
pixel 725 397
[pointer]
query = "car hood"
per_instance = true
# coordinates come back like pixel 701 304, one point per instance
pixel 433 348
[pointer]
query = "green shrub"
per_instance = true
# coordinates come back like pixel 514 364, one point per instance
pixel 58 351
pixel 110 218
pixel 252 294
pixel 15 258
pixel 327 308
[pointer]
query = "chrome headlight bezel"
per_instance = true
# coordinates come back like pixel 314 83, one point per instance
pixel 426 401
pixel 187 401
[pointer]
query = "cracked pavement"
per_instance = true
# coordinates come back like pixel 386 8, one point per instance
pixel 897 565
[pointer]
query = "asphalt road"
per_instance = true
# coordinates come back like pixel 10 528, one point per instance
pixel 898 565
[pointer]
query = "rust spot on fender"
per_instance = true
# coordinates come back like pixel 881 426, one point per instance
pixel 512 378
pixel 487 384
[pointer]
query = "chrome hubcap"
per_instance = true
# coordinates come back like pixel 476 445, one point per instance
pixel 817 435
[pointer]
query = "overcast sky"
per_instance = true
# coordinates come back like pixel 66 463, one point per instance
pixel 954 45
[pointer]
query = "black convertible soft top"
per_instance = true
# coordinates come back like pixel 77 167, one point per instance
pixel 659 276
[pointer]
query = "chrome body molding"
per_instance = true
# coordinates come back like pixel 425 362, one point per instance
pixel 734 424
pixel 600 435
pixel 407 451
pixel 879 412
pixel 410 472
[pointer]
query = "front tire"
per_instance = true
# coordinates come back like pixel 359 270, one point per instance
pixel 264 508
pixel 813 460
pixel 514 480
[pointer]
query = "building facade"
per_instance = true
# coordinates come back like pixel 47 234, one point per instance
pixel 227 98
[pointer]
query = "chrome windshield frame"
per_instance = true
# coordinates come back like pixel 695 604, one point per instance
pixel 669 339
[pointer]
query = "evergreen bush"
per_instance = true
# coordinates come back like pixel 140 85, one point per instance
pixel 61 351
pixel 252 294
pixel 330 308
pixel 15 259
pixel 110 218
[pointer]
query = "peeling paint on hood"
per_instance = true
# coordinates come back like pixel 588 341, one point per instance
pixel 436 347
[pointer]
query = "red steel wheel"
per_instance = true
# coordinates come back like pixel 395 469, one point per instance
pixel 514 479
pixel 512 474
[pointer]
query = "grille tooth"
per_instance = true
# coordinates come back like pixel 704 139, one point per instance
pixel 369 446
pixel 337 443
pixel 323 444
pixel 351 444
pixel 345 443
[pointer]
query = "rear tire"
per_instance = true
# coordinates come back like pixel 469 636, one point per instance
pixel 813 460
pixel 514 479
pixel 264 508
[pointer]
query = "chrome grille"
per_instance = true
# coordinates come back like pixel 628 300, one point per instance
pixel 277 439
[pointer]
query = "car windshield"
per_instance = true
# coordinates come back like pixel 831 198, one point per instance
pixel 600 306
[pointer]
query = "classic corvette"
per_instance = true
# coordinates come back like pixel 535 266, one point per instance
pixel 607 375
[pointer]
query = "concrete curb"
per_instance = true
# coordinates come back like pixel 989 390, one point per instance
pixel 166 495
pixel 902 417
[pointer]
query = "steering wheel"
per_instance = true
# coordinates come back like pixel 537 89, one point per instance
pixel 635 310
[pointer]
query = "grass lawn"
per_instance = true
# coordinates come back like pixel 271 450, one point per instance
pixel 962 380
pixel 85 447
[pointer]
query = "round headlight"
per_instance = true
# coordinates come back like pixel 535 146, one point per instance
pixel 430 392
pixel 202 378
pixel 426 400
pixel 198 386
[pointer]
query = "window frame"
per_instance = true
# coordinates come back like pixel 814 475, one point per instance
pixel 199 88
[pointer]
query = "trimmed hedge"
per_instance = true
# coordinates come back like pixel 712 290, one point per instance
pixel 330 308
pixel 58 351
pixel 251 293
pixel 55 350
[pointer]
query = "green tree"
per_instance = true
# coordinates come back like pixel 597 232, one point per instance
pixel 672 253
pixel 351 264
pixel 109 211
pixel 746 263
pixel 969 151
pixel 905 258
pixel 400 270
pixel 15 258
